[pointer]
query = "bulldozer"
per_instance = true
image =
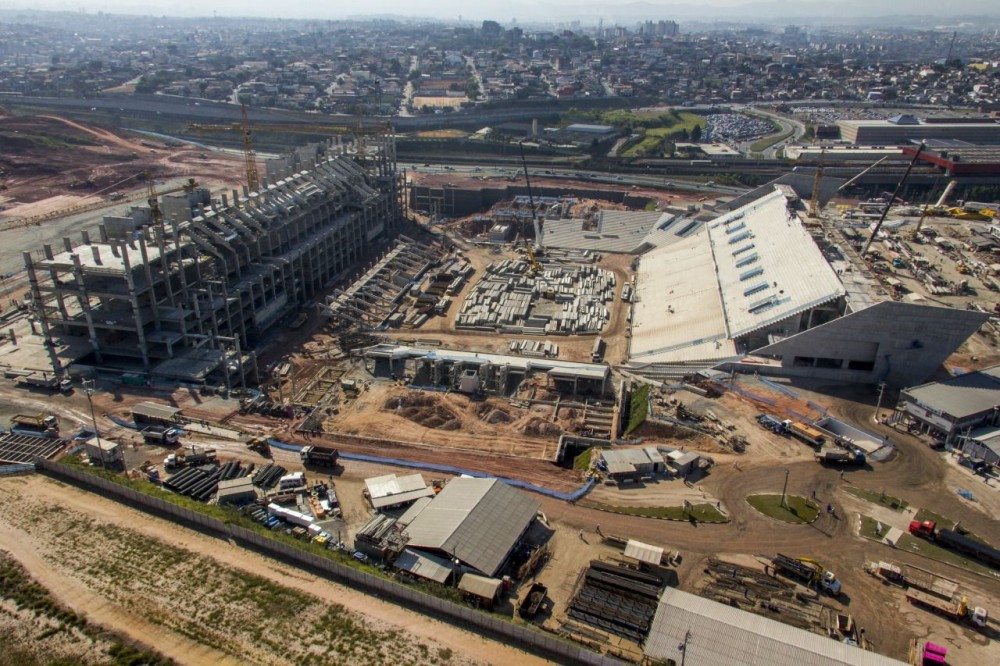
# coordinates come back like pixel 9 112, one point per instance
pixel 259 445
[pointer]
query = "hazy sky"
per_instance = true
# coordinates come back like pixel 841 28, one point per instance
pixel 476 10
pixel 587 11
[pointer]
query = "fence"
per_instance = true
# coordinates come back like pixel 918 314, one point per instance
pixel 462 616
pixel 10 470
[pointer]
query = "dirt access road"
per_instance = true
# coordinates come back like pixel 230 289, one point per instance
pixel 33 547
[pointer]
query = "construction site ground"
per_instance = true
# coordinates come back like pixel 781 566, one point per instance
pixel 374 424
pixel 183 608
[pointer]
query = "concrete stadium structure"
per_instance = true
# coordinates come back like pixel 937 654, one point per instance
pixel 189 298
pixel 753 291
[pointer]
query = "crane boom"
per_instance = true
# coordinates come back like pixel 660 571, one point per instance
pixel 852 180
pixel 535 267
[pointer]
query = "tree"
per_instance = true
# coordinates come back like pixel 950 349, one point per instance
pixel 696 133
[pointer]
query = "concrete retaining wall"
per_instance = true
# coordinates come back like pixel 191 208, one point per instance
pixel 459 615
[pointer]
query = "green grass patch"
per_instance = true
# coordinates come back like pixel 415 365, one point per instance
pixel 888 501
pixel 795 509
pixel 869 528
pixel 638 408
pixel 761 145
pixel 942 522
pixel 703 513
pixel 935 552
pixel 582 462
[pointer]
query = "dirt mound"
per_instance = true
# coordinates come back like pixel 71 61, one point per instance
pixel 493 415
pixel 413 399
pixel 424 410
pixel 540 428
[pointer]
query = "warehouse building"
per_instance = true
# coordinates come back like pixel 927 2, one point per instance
pixel 754 292
pixel 694 631
pixel 187 297
pixel 391 491
pixel 956 405
pixel 474 522
pixel 906 128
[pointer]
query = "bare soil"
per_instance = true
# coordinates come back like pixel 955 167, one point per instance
pixel 179 590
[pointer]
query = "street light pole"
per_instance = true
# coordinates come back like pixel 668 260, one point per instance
pixel 89 387
pixel 784 489
pixel 878 405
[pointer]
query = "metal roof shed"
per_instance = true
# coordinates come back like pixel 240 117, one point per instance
pixel 154 411
pixel 478 521
pixel 480 586
pixel 643 552
pixel 702 632
pixel 424 566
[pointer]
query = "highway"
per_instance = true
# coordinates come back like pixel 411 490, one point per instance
pixel 517 174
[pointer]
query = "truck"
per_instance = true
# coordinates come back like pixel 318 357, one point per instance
pixel 532 601
pixel 773 424
pixel 319 456
pixel 808 571
pixel 161 436
pixel 954 609
pixel 952 539
pixel 175 460
pixel 806 433
pixel 841 457
pixel 46 380
pixel 38 425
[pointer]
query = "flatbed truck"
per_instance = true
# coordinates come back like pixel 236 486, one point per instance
pixel 807 433
pixel 161 436
pixel 953 609
pixel 45 380
pixel 808 571
pixel 841 457
pixel 38 425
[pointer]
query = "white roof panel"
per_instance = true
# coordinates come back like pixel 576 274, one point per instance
pixel 643 552
pixel 713 634
pixel 769 267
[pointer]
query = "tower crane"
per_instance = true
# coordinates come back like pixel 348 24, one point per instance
pixel 153 197
pixel 249 154
pixel 814 200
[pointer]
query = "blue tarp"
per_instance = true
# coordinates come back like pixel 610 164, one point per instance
pixel 569 497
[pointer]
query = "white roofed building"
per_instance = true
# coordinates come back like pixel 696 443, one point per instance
pixel 753 291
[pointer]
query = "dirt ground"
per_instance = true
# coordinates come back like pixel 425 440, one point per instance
pixel 41 544
pixel 45 155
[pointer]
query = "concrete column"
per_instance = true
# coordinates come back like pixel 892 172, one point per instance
pixel 134 302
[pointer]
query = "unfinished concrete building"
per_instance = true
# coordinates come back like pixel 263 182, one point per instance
pixel 189 298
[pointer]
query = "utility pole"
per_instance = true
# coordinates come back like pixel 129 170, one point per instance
pixel 878 405
pixel 683 647
pixel 784 489
pixel 90 387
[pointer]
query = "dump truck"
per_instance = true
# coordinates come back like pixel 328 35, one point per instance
pixel 532 601
pixel 45 380
pixel 953 540
pixel 841 457
pixel 319 456
pixel 175 460
pixel 806 433
pixel 38 425
pixel 161 436
pixel 953 609
pixel 808 571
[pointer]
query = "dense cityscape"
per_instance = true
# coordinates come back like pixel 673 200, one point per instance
pixel 383 340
